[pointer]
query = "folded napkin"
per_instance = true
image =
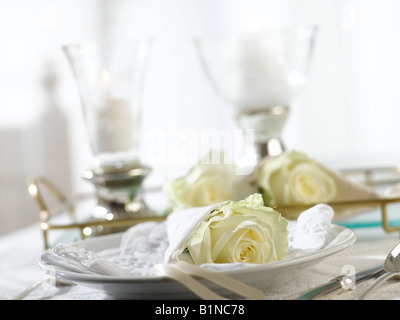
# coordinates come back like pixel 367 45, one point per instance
pixel 180 228
pixel 349 190
pixel 312 231
pixel 79 260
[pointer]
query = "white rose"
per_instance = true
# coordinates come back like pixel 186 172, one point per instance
pixel 294 178
pixel 244 231
pixel 205 184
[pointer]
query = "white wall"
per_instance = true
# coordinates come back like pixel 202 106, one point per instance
pixel 40 120
pixel 347 116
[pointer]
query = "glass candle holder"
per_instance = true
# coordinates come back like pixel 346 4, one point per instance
pixel 259 75
pixel 109 77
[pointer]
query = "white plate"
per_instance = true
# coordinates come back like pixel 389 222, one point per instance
pixel 265 277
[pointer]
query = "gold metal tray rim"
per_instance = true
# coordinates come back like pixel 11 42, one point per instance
pixel 34 189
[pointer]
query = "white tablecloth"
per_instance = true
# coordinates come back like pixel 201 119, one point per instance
pixel 20 251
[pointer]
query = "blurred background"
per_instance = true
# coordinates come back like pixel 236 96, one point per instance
pixel 347 117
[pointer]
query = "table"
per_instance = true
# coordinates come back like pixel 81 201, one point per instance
pixel 20 251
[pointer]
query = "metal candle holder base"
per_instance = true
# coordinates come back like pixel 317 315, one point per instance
pixel 119 191
pixel 267 124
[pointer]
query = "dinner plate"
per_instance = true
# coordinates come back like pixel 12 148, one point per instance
pixel 266 277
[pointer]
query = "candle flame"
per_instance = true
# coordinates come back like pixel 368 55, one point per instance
pixel 105 78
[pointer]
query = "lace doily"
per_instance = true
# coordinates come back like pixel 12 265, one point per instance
pixel 141 248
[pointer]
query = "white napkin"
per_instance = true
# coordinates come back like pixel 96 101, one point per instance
pixel 349 190
pixel 312 231
pixel 82 261
pixel 180 228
